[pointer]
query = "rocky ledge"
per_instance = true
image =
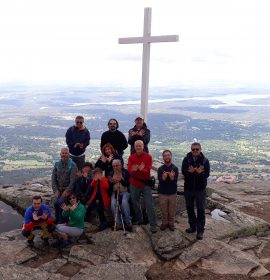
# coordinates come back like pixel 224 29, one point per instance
pixel 235 243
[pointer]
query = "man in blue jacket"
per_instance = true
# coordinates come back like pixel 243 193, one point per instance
pixel 196 170
pixel 77 139
pixel 37 216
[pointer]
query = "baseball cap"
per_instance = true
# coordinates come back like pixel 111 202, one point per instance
pixel 139 116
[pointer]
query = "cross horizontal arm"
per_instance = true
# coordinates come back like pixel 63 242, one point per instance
pixel 152 39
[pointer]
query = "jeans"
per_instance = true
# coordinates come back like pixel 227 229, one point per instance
pixel 58 211
pixel 199 197
pixel 135 193
pixel 124 205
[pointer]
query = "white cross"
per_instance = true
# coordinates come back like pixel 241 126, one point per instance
pixel 146 40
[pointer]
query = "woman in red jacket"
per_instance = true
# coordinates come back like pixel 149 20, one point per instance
pixel 99 199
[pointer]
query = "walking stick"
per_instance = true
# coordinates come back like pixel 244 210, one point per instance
pixel 122 219
pixel 117 205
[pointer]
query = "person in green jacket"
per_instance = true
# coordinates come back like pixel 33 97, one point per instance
pixel 75 212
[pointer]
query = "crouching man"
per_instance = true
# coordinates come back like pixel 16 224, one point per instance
pixel 38 216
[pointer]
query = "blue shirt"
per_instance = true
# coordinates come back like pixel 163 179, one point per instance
pixel 28 216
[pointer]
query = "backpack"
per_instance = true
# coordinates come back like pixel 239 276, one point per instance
pixel 58 164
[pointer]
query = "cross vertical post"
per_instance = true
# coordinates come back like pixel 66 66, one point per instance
pixel 146 40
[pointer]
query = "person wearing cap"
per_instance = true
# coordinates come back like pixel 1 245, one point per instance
pixel 77 139
pixel 115 137
pixel 139 132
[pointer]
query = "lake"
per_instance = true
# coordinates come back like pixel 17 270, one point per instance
pixel 9 218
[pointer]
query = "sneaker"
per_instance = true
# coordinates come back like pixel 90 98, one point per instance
pixel 163 227
pixel 129 227
pixel 190 230
pixel 153 229
pixel 171 227
pixel 199 236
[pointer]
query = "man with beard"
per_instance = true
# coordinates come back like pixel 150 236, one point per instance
pixel 167 188
pixel 196 170
pixel 115 137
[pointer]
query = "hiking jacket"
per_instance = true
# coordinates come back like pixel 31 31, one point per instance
pixel 104 186
pixel 64 176
pixel 76 217
pixel 195 181
pixel 145 138
pixel 75 135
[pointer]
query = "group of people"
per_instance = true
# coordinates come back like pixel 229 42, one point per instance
pixel 81 187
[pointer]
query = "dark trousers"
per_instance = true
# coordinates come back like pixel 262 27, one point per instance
pixel 80 161
pixel 199 197
pixel 99 207
pixel 59 219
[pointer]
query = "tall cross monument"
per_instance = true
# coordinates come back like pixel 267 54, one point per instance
pixel 146 40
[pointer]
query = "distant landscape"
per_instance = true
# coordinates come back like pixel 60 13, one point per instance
pixel 233 126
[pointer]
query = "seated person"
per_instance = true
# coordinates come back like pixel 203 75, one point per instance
pixel 119 180
pixel 105 160
pixel 99 198
pixel 81 186
pixel 75 212
pixel 37 216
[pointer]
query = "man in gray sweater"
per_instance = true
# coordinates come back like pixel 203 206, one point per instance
pixel 63 178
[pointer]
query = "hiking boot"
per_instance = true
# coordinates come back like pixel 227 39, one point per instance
pixel 153 229
pixel 45 241
pixel 163 227
pixel 129 227
pixel 30 242
pixel 102 226
pixel 199 236
pixel 171 227
pixel 190 230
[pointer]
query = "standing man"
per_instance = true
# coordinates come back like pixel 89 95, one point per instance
pixel 63 178
pixel 167 189
pixel 139 132
pixel 37 216
pixel 139 166
pixel 115 137
pixel 196 170
pixel 77 139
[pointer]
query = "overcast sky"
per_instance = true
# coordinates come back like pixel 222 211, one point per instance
pixel 221 42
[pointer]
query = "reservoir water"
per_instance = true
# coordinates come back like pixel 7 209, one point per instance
pixel 9 218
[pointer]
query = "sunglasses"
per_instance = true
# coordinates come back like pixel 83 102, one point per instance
pixel 73 197
pixel 79 122
pixel 195 149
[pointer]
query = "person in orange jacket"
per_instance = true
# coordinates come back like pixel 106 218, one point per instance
pixel 99 199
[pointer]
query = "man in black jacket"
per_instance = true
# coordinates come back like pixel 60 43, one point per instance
pixel 115 137
pixel 196 169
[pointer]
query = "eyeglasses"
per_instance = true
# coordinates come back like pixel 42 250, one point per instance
pixel 79 122
pixel 195 149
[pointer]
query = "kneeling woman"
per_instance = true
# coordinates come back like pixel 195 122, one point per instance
pixel 75 212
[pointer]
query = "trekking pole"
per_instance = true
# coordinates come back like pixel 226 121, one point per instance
pixel 117 206
pixel 121 215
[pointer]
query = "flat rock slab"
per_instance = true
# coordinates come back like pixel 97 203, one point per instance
pixel 109 246
pixel 15 251
pixel 21 195
pixel 112 271
pixel 18 272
